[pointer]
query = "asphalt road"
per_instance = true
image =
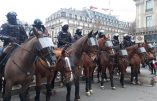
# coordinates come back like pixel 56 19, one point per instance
pixel 143 92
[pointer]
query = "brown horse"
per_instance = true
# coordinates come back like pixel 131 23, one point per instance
pixel 106 59
pixel 88 64
pixel 19 68
pixel 135 59
pixel 85 44
pixel 43 70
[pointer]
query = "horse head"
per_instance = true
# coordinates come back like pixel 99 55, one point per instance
pixel 150 50
pixel 45 47
pixel 105 44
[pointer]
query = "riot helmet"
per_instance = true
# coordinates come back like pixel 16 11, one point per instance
pixel 11 17
pixel 127 37
pixel 101 33
pixel 65 26
pixel 38 23
pixel 79 30
pixel 116 36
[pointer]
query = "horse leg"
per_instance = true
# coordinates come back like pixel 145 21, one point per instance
pixel 38 88
pixel 61 82
pixel 77 89
pixel 87 86
pixel 53 80
pixel 132 75
pixel 90 79
pixel 24 92
pixel 48 88
pixel 111 78
pixel 68 86
pixel 98 73
pixel 8 87
pixel 136 76
pixel 86 74
pixel 103 72
pixel 122 80
pixel 90 85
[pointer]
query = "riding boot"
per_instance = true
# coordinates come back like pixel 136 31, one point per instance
pixel 48 92
pixel 37 89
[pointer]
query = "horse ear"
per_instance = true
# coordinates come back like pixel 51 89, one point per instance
pixel 146 41
pixel 96 33
pixel 90 33
pixel 35 32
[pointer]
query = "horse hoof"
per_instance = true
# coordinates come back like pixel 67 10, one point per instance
pixel 106 80
pixel 102 87
pixel 61 85
pixel 113 88
pixel 138 83
pixel 87 93
pixel 91 91
pixel 123 86
pixel 133 83
pixel 77 99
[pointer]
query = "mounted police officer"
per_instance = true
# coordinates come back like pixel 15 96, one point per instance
pixel 64 36
pixel 127 41
pixel 11 32
pixel 101 34
pixel 115 40
pixel 116 46
pixel 39 26
pixel 78 34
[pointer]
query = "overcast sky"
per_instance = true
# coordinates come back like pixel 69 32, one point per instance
pixel 28 10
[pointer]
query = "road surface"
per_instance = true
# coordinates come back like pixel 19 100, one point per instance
pixel 143 92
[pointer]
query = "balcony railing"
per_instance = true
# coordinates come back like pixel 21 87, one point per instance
pixel 146 29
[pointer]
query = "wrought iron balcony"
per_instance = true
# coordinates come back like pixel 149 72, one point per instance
pixel 146 29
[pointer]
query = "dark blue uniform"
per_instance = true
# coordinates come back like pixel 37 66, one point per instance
pixel 15 33
pixel 64 38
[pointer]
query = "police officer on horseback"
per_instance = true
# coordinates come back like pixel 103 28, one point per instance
pixel 11 32
pixel 39 26
pixel 127 41
pixel 64 36
pixel 115 40
pixel 101 34
pixel 78 34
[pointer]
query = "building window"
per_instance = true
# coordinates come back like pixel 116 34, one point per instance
pixel 63 14
pixel 75 17
pixel 80 18
pixel 149 5
pixel 70 16
pixel 85 19
pixel 148 21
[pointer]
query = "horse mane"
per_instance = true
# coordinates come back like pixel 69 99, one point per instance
pixel 76 43
pixel 29 39
pixel 132 47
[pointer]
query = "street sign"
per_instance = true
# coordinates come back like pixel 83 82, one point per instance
pixel 139 39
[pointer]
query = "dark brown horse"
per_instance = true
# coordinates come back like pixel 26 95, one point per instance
pixel 135 59
pixel 88 64
pixel 19 68
pixel 106 59
pixel 85 44
pixel 43 70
